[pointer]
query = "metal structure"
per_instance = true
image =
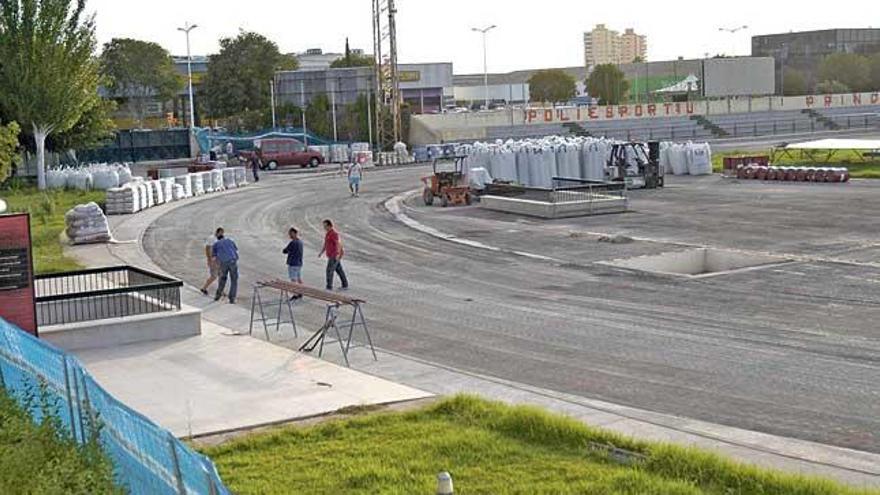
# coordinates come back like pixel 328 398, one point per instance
pixel 100 293
pixel 192 112
pixel 388 99
pixel 485 31
pixel 341 331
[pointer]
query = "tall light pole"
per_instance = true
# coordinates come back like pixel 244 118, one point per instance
pixel 732 31
pixel 192 113
pixel 484 32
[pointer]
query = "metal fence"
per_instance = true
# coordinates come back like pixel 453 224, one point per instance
pixel 146 458
pixel 100 293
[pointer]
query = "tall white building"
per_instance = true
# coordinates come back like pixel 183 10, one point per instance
pixel 606 46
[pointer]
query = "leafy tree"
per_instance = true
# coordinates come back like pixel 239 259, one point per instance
pixel 238 77
pixel 351 59
pixel 48 76
pixel 94 129
pixel 795 82
pixel 848 68
pixel 9 155
pixel 356 120
pixel 874 64
pixel 137 71
pixel 832 87
pixel 608 84
pixel 552 86
pixel 318 117
pixel 289 114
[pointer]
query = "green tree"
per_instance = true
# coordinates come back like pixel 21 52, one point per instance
pixel 94 129
pixel 318 117
pixel 874 64
pixel 848 68
pixel 137 72
pixel 795 82
pixel 48 75
pixel 238 76
pixel 9 155
pixel 608 84
pixel 355 122
pixel 552 86
pixel 832 87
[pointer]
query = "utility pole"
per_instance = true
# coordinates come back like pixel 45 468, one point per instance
pixel 192 113
pixel 484 32
pixel 272 96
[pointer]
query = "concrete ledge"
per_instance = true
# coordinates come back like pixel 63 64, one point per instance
pixel 115 332
pixel 543 209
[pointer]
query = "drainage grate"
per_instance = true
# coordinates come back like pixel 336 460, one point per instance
pixel 701 262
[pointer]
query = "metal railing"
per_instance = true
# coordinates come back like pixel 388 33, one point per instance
pixel 100 293
pixel 570 190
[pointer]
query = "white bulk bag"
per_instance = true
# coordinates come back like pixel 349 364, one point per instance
pixel 699 159
pixel 56 179
pixel 184 182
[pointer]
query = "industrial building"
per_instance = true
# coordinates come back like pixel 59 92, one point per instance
pixel 737 76
pixel 606 46
pixel 426 88
pixel 805 50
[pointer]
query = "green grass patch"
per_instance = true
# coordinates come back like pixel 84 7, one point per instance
pixel 851 159
pixel 488 448
pixel 42 459
pixel 47 209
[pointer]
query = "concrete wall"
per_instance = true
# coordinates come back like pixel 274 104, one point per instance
pixel 467 126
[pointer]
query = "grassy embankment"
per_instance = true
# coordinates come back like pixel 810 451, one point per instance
pixel 42 459
pixel 47 211
pixel 489 448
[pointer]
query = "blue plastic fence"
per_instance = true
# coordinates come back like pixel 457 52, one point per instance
pixel 147 459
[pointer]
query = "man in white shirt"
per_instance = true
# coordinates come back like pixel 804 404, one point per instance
pixel 355 173
pixel 213 264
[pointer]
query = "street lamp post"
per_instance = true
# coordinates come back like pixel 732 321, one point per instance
pixel 732 31
pixel 484 32
pixel 192 113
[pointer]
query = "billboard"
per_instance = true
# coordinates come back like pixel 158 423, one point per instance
pixel 739 76
pixel 17 304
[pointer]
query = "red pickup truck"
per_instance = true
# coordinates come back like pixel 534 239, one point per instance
pixel 274 153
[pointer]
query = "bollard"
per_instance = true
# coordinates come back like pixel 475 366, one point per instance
pixel 444 484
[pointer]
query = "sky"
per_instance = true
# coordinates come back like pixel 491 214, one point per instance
pixel 530 34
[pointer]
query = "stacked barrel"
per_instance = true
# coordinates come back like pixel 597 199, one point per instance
pixel 793 174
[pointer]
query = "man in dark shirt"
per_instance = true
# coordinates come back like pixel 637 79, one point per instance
pixel 334 251
pixel 294 252
pixel 226 253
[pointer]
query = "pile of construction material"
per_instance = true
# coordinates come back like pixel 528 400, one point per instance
pixel 140 194
pixel 793 174
pixel 101 176
pixel 86 224
pixel 535 162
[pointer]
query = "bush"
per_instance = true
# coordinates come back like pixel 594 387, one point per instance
pixel 42 458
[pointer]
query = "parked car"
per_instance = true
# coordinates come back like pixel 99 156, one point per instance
pixel 274 153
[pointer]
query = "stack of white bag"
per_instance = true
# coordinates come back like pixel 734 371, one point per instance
pixel 125 200
pixel 87 224
pixel 139 195
pixel 339 153
pixel 686 158
pixel 100 176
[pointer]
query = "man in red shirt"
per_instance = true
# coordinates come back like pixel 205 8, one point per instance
pixel 334 251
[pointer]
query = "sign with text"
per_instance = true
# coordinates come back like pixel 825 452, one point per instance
pixel 561 115
pixel 17 273
pixel 409 76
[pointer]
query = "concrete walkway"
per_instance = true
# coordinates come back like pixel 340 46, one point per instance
pixel 853 467
pixel 219 381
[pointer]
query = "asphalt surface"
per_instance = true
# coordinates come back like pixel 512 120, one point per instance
pixel 791 350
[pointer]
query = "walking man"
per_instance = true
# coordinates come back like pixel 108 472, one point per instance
pixel 334 251
pixel 226 253
pixel 255 164
pixel 213 266
pixel 355 173
pixel 294 252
